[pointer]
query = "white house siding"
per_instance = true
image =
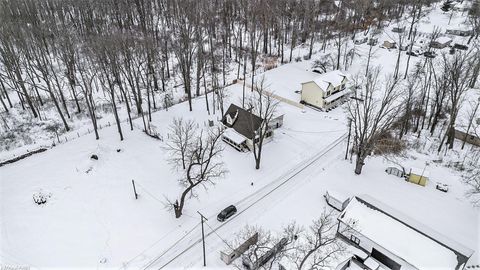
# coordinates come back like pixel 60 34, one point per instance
pixel 368 245
pixel 312 94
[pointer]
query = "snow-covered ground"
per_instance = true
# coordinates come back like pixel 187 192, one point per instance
pixel 92 219
pixel 92 214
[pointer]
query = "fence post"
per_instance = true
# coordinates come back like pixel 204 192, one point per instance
pixel 134 189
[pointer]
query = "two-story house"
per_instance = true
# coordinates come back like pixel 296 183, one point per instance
pixel 327 91
pixel 242 127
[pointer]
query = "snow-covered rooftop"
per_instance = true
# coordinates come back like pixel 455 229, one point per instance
pixel 234 136
pixel 419 171
pixel 337 95
pixel 443 40
pixel 408 239
pixel 334 78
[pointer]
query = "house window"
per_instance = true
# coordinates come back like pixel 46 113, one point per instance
pixel 355 239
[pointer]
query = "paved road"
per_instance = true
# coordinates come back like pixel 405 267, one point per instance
pixel 186 250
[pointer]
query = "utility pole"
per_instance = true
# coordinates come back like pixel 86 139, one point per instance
pixel 203 238
pixel 348 138
pixel 134 189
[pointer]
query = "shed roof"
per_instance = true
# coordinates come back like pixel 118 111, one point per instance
pixel 443 40
pixel 398 233
pixel 244 122
pixel 419 171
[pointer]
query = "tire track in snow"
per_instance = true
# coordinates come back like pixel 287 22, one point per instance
pixel 279 182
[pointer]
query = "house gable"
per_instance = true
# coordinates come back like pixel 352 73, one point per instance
pixel 242 121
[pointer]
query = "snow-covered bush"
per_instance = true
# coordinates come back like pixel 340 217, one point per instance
pixel 41 197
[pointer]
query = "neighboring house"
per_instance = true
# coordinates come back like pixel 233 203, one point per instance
pixel 418 176
pixel 391 240
pixel 243 125
pixel 372 41
pixel 468 138
pixel 360 40
pixel 389 44
pixel 336 200
pixel 459 32
pixel 325 92
pixel 441 43
pixel 462 6
pixel 398 29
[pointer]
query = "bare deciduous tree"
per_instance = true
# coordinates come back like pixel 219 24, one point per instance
pixel 202 163
pixel 313 248
pixel 264 106
pixel 457 72
pixel 180 140
pixel 372 114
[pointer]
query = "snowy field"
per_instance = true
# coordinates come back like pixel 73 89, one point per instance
pixel 92 213
pixel 92 219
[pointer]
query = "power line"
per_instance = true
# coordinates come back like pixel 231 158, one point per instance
pixel 151 195
pixel 170 248
pixel 314 132
pixel 224 241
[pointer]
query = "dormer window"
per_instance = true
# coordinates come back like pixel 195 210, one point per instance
pixel 231 120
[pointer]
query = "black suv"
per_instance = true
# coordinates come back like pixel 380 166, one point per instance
pixel 226 213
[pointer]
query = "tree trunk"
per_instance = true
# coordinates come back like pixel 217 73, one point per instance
pixel 359 164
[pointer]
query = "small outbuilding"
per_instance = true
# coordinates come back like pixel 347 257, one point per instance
pixel 463 32
pixel 360 40
pixel 418 176
pixel 441 43
pixel 398 29
pixel 372 41
pixel 468 138
pixel 395 171
pixel 389 44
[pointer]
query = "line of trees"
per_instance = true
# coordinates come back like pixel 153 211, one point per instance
pixel 66 53
pixel 383 110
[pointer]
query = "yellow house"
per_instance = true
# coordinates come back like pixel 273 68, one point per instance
pixel 418 176
pixel 326 91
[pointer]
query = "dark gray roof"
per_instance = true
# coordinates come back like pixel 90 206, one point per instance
pixel 246 122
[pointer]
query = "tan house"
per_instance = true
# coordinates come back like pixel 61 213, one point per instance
pixel 325 92
pixel 389 44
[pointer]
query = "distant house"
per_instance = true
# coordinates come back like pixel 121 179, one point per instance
pixel 441 42
pixel 327 91
pixel 462 6
pixel 388 239
pixel 360 40
pixel 463 32
pixel 468 138
pixel 243 125
pixel 389 44
pixel 398 29
pixel 418 176
pixel 372 41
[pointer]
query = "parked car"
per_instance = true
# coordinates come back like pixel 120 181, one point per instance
pixel 460 47
pixel 412 53
pixel 430 54
pixel 226 213
pixel 360 40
